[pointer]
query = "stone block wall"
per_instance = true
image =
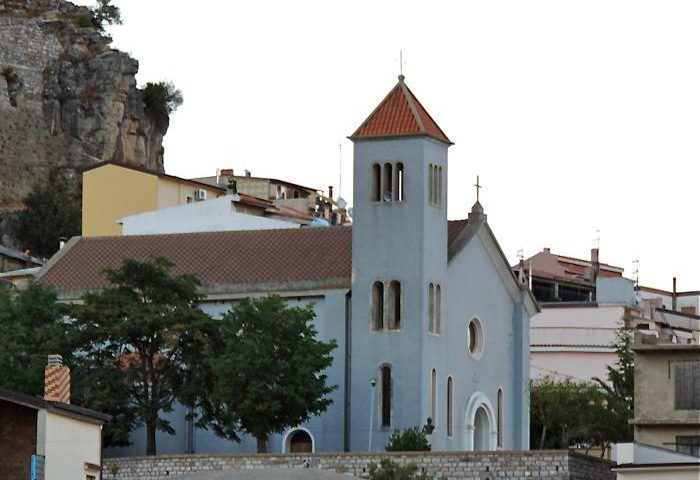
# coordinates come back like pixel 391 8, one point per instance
pixel 546 464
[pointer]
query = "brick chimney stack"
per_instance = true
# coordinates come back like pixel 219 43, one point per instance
pixel 56 380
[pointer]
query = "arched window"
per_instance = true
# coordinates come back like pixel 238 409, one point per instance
pixel 298 441
pixel 377 306
pixel 433 395
pixel 394 305
pixel 475 338
pixel 431 308
pixel 385 401
pixel 435 184
pixel 439 189
pixel 376 183
pixel 430 184
pixel 449 406
pixel 438 308
pixel 388 178
pixel 499 418
pixel 399 183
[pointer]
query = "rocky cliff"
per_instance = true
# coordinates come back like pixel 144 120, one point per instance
pixel 67 100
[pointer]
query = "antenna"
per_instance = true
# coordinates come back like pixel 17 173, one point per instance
pixel 596 240
pixel 636 271
pixel 521 254
pixel 340 167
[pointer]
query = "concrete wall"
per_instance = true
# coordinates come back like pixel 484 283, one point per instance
pixel 210 216
pixel 548 464
pixel 67 445
pixel 574 342
pixel 110 193
pixel 656 420
pixel 17 440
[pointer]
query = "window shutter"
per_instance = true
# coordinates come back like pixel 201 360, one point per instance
pixel 687 383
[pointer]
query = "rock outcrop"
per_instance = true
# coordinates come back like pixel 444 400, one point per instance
pixel 67 100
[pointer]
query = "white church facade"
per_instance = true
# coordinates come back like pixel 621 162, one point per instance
pixel 429 319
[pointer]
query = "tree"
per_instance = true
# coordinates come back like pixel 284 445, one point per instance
pixel 160 100
pixel 104 13
pixel 31 328
pixel 411 439
pixel 388 470
pixel 50 213
pixel 618 392
pixel 141 341
pixel 270 372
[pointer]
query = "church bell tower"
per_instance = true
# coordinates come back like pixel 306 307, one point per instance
pixel 399 260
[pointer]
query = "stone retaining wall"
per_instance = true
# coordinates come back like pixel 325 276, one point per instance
pixel 543 464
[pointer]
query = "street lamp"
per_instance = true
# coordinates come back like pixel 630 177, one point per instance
pixel 372 384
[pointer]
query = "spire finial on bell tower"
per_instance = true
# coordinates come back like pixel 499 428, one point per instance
pixel 478 187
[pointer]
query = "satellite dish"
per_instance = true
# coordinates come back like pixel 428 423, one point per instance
pixel 341 203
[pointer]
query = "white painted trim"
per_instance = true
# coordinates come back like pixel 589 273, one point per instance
pixel 287 438
pixel 477 400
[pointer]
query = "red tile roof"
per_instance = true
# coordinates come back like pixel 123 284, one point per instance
pixel 216 258
pixel 400 114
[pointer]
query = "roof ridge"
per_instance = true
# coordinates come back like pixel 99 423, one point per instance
pixel 410 99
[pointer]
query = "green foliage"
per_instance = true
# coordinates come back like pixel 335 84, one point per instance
pixel 31 328
pixel 50 213
pixel 270 371
pixel 103 14
pixel 388 470
pixel 592 413
pixel 411 439
pixel 619 391
pixel 161 99
pixel 139 340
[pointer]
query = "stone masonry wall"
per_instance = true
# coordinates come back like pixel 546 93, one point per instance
pixel 67 100
pixel 546 464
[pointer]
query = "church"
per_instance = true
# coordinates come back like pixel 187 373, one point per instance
pixel 431 324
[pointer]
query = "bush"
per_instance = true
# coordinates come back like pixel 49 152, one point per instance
pixel 104 13
pixel 409 440
pixel 160 100
pixel 388 470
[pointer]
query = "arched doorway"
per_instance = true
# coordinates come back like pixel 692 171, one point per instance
pixel 299 441
pixel 480 421
pixel 482 430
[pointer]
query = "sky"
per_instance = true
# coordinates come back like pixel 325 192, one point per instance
pixel 581 118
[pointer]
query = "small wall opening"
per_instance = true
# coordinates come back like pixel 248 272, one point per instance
pixel 377 322
pixel 385 413
pixel 449 406
pixel 376 183
pixel 388 178
pixel 431 308
pixel 394 305
pixel 399 182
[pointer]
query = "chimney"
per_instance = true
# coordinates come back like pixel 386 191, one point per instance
pixel 247 173
pixel 330 192
pixel 673 297
pixel 232 189
pixel 546 250
pixel 61 242
pixel 595 265
pixel 56 380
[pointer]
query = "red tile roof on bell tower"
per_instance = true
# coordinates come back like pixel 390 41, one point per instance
pixel 400 114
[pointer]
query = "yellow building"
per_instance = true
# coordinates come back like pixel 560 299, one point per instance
pixel 112 191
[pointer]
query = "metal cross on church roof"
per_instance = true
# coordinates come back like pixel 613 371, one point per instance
pixel 478 187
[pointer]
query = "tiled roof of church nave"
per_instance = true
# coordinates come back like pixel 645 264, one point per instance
pixel 217 258
pixel 400 114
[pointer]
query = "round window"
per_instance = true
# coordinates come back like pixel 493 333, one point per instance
pixel 475 338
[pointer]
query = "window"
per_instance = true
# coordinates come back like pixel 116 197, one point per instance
pixel 688 310
pixel 387 189
pixel 435 184
pixel 438 308
pixel 385 396
pixel 475 338
pixel 431 308
pixel 688 445
pixel 449 406
pixel 439 187
pixel 430 183
pixel 499 419
pixel 687 383
pixel 377 306
pixel 394 305
pixel 399 183
pixel 376 182
pixel 433 394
